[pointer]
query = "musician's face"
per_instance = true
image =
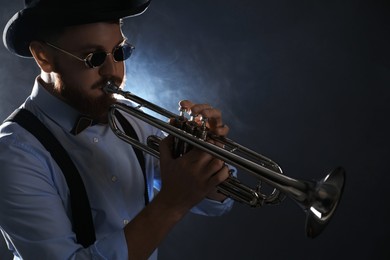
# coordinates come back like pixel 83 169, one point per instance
pixel 79 85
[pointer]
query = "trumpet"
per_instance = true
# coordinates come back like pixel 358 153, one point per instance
pixel 318 199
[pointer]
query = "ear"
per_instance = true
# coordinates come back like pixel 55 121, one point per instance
pixel 42 56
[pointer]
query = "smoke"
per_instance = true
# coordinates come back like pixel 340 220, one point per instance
pixel 15 73
pixel 304 82
pixel 180 56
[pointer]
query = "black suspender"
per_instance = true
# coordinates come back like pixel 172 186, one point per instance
pixel 81 210
pixel 129 130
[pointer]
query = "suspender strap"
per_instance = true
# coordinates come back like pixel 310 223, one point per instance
pixel 129 130
pixel 81 210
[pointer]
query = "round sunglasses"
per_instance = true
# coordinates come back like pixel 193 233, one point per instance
pixel 96 59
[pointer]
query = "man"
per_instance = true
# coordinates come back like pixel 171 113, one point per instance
pixel 79 48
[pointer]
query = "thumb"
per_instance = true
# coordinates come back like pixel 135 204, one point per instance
pixel 165 148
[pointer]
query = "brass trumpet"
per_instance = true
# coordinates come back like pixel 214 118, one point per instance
pixel 319 199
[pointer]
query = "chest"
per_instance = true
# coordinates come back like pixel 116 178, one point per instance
pixel 111 174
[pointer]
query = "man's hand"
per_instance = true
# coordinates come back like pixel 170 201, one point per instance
pixel 195 174
pixel 214 116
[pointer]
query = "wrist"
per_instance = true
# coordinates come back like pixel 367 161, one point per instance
pixel 169 208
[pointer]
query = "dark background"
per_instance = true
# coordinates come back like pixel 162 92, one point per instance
pixel 305 83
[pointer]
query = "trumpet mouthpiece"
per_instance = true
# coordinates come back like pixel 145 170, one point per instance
pixel 110 87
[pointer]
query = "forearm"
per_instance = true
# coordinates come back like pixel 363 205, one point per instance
pixel 147 230
pixel 186 181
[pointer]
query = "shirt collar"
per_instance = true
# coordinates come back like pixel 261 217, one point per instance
pixel 53 107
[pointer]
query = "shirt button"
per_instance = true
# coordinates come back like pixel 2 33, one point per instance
pixel 114 178
pixel 126 221
pixel 95 140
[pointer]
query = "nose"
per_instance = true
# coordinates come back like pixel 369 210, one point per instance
pixel 110 67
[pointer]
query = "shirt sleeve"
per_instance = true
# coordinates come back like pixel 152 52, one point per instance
pixel 34 209
pixel 213 208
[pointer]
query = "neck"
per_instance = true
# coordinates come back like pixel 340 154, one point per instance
pixel 47 81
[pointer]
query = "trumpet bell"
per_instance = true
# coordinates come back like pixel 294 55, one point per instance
pixel 324 202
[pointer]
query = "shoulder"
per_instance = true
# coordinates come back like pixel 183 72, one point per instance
pixel 13 136
pixel 22 153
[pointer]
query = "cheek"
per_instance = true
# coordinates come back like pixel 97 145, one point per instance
pixel 71 73
pixel 82 78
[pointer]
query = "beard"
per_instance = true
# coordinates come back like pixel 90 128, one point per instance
pixel 96 107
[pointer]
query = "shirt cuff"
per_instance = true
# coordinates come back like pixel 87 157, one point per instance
pixel 213 208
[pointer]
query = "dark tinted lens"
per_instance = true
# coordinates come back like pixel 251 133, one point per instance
pixel 123 52
pixel 96 59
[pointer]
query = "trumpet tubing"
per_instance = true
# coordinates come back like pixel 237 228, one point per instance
pixel 319 199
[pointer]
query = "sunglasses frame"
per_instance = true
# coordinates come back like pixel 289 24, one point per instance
pixel 87 59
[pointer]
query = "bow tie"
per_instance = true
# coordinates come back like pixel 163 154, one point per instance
pixel 82 123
